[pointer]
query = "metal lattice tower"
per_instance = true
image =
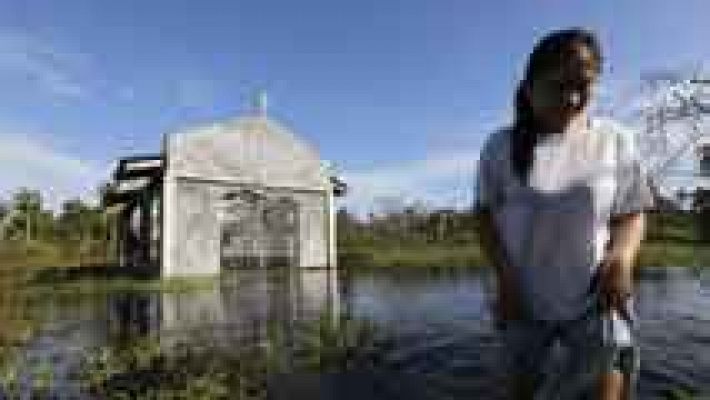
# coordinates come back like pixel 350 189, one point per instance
pixel 676 130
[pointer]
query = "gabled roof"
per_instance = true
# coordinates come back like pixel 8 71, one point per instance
pixel 252 149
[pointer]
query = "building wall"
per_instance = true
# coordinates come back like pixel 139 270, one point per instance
pixel 195 216
pixel 313 230
pixel 204 165
pixel 195 229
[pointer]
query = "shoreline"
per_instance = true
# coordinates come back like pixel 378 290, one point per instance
pixel 388 254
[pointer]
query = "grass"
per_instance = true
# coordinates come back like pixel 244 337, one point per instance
pixel 98 286
pixel 412 255
pixel 652 254
pixel 26 294
pixel 18 253
pixel 157 366
pixel 673 254
pixel 672 240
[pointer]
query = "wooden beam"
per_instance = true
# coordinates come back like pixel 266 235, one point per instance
pixel 340 188
pixel 138 165
pixel 145 172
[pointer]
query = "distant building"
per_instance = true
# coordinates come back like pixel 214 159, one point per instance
pixel 240 193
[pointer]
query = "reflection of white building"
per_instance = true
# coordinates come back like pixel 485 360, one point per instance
pixel 244 192
pixel 264 312
pixel 250 303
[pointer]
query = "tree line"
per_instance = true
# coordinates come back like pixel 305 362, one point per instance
pixel 29 228
pixel 82 232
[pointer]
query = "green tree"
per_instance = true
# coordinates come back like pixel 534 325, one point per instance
pixel 69 225
pixel 27 207
pixel 80 221
pixel 82 227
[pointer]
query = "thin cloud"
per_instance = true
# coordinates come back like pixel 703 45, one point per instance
pixel 445 178
pixel 441 180
pixel 60 74
pixel 55 71
pixel 27 162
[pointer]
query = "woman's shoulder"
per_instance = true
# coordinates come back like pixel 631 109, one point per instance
pixel 616 135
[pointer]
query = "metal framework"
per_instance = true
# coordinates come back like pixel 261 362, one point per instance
pixel 675 118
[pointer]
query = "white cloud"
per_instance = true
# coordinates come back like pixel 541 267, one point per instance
pixel 27 162
pixel 444 178
pixel 440 180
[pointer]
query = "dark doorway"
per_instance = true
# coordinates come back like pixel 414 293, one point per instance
pixel 259 233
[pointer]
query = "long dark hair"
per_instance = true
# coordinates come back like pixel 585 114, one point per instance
pixel 549 51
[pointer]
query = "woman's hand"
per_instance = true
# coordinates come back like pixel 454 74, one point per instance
pixel 616 284
pixel 616 269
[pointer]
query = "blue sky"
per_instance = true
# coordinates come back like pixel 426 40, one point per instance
pixel 399 94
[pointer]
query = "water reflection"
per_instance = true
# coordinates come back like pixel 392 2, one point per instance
pixel 249 325
pixel 313 334
pixel 237 300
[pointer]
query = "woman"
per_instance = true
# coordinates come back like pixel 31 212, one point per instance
pixel 561 200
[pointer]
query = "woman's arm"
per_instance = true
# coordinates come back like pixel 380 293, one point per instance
pixel 507 306
pixel 626 234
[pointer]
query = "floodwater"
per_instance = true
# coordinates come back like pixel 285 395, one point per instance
pixel 381 334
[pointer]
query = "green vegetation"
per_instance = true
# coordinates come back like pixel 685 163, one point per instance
pixel 676 240
pixel 411 254
pixel 414 237
pixel 680 394
pixel 160 366
pixel 32 235
pixel 448 238
pixel 28 295
pixel 81 235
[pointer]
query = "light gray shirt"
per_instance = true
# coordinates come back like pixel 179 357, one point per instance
pixel 554 229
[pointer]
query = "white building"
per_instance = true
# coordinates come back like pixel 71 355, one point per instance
pixel 240 193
